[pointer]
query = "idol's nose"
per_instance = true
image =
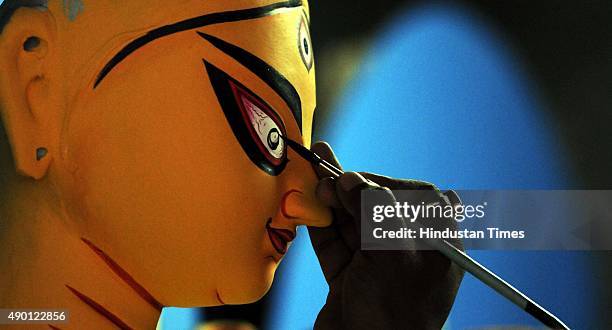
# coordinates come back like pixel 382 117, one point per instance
pixel 300 203
pixel 305 209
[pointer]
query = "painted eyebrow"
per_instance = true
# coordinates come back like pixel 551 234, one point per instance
pixel 190 24
pixel 264 71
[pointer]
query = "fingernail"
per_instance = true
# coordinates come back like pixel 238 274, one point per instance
pixel 352 180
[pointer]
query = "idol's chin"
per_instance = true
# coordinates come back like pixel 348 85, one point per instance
pixel 248 289
pixel 240 294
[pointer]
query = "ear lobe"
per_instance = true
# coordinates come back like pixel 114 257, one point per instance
pixel 25 105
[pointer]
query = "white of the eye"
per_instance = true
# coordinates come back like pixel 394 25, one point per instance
pixel 263 125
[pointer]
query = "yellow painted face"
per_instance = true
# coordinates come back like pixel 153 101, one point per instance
pixel 172 141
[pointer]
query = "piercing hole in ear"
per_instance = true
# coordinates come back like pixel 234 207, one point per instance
pixel 41 153
pixel 31 43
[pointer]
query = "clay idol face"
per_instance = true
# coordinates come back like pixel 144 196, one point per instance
pixel 178 166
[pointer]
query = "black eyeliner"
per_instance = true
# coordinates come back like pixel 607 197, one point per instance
pixel 222 86
pixel 264 71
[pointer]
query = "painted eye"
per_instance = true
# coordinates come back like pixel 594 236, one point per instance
pixel 257 126
pixel 264 128
pixel 263 124
pixel 305 44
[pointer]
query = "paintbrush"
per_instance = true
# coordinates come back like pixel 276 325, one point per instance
pixel 457 256
pixel 312 157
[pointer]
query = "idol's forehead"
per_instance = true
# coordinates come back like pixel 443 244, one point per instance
pixel 268 29
pixel 93 26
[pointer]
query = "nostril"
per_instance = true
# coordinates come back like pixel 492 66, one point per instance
pixel 292 204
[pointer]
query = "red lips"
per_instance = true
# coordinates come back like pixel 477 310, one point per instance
pixel 280 238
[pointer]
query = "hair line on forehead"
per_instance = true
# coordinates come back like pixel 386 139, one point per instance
pixel 190 24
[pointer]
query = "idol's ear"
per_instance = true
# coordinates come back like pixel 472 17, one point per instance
pixel 27 104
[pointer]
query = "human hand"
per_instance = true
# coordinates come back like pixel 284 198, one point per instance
pixel 377 289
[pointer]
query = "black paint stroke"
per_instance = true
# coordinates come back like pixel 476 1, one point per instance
pixel 265 72
pixel 190 24
pixel 221 84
